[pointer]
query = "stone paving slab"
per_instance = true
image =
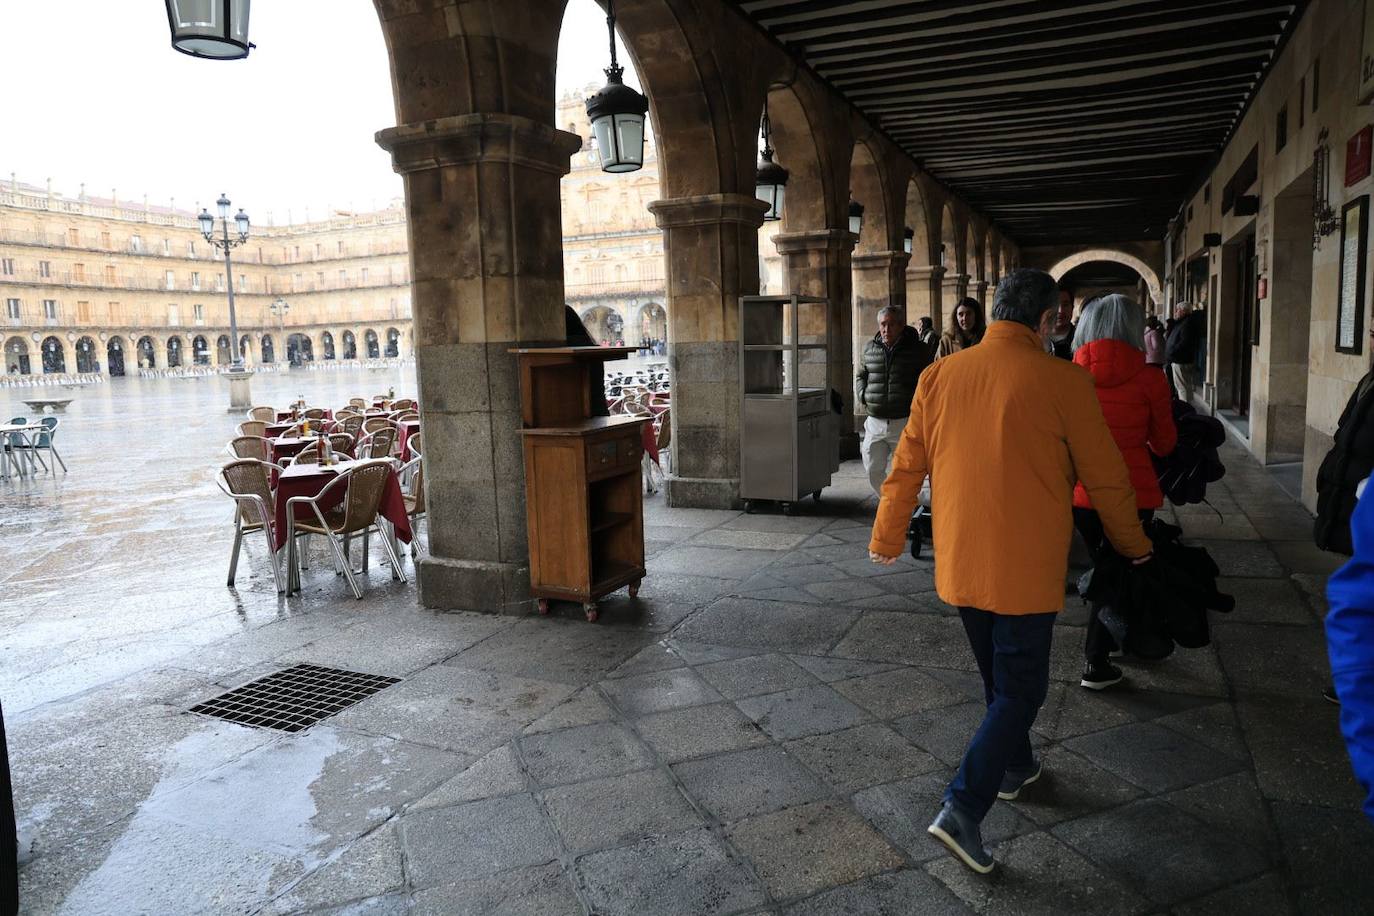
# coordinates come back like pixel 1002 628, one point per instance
pixel 768 729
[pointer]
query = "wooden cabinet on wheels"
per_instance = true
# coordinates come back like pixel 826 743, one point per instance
pixel 583 489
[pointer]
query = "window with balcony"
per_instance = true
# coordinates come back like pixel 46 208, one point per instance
pixel 190 249
pixel 79 273
pixel 243 282
pixel 12 309
pixel 116 313
pixel 341 247
pixel 111 278
pixel 83 312
pixel 73 238
pixel 343 278
pixel 296 255
pixel 167 246
pixel 45 269
pixel 173 314
pixel 136 244
pixel 319 279
pixel 317 249
pixel 219 283
pixel 105 240
pixel 171 279
pixel 195 279
pixel 297 283
pixel 198 312
pixel 50 309
pixel 7 267
pixel 362 275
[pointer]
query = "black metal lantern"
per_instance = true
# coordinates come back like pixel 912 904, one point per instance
pixel 617 115
pixel 771 180
pixel 944 255
pixel 856 216
pixel 908 239
pixel 213 29
pixel 1324 220
pixel 207 223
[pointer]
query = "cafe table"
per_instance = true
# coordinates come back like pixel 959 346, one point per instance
pixel 289 446
pixel 404 430
pixel 11 455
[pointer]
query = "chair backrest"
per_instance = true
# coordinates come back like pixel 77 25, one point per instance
pixel 253 428
pixel 407 415
pixel 372 424
pixel 360 403
pixel 366 484
pixel 341 442
pixel 352 425
pixel 266 414
pixel 315 413
pixel 379 443
pixel 403 404
pixel 414 443
pixel 665 429
pixel 255 447
pixel 19 421
pixel 244 480
pixel 343 413
pixel 306 456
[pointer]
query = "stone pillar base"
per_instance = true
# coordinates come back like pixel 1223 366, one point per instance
pixel 701 493
pixel 473 585
pixel 240 392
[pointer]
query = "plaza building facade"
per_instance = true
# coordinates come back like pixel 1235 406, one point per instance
pixel 103 285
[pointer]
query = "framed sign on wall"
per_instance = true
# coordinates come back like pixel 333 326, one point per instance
pixel 1350 291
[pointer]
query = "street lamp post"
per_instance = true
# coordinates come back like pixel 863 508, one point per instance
pixel 239 397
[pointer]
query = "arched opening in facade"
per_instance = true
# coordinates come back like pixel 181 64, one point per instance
pixel 245 348
pixel 923 279
pixel 653 328
pixel 374 347
pixel 87 355
pixel 200 351
pixel 114 356
pixel 973 261
pixel 952 288
pixel 223 356
pixel 173 352
pixel 350 345
pixel 393 342
pixel 603 323
pixel 327 344
pixel 17 357
pixel 54 355
pixel 299 350
pixel 268 351
pixel 147 353
pixel 1101 270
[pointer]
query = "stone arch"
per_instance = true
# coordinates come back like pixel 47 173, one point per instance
pixel 146 349
pixel 917 219
pixel 1147 273
pixel 327 350
pixel 299 349
pixel 87 354
pixel 17 359
pixel 392 344
pixel 372 344
pixel 949 239
pixel 868 185
pixel 200 350
pixel 652 323
pixel 348 344
pixel 267 349
pixel 174 350
pixel 54 354
pixel 246 350
pixel 603 323
pixel 115 349
pixel 223 353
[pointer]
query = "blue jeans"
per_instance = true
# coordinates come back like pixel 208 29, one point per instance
pixel 1013 653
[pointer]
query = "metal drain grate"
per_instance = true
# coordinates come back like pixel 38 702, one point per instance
pixel 295 698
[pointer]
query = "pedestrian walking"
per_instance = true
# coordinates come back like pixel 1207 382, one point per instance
pixel 1181 350
pixel 966 328
pixel 886 381
pixel 1003 430
pixel 1061 332
pixel 1135 401
pixel 1154 342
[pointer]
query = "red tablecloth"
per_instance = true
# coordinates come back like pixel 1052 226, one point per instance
pixel 287 448
pixel 284 416
pixel 297 481
pixel 405 429
pixel 650 439
pixel 276 429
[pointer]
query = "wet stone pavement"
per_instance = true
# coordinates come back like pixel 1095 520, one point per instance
pixel 766 730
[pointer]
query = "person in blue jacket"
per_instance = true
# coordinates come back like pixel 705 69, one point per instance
pixel 1350 643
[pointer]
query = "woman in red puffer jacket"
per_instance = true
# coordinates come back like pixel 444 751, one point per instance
pixel 1135 399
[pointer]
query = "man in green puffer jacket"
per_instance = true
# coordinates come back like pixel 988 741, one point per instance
pixel 886 381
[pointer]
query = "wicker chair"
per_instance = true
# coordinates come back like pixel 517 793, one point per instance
pixel 415 444
pixel 255 447
pixel 265 414
pixel 341 442
pixel 306 456
pixel 360 403
pixel 253 428
pixel 412 476
pixel 372 424
pixel 357 515
pixel 343 413
pixel 352 425
pixel 315 413
pixel 403 404
pixel 404 415
pixel 665 440
pixel 249 483
pixel 378 444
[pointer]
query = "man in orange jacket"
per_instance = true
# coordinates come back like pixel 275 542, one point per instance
pixel 1004 430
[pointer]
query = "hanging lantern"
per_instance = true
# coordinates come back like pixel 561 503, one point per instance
pixel 944 257
pixel 213 29
pixel 771 180
pixel 617 115
pixel 908 238
pixel 856 216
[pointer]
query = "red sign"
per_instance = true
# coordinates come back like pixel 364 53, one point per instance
pixel 1357 156
pixel 1263 288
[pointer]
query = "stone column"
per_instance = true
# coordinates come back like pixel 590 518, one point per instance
pixel 879 280
pixel 482 196
pixel 818 263
pixel 712 255
pixel 924 294
pixel 955 288
pixel 978 289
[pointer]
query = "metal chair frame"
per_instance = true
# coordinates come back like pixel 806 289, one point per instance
pixel 340 552
pixel 244 502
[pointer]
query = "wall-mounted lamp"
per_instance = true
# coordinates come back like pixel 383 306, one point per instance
pixel 1324 220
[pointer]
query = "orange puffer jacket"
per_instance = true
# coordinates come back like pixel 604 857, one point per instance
pixel 1135 401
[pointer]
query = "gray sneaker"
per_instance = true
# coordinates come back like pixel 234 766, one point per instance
pixel 1016 780
pixel 960 833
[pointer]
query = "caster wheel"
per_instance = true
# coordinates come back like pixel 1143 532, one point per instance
pixel 787 509
pixel 592 612
pixel 634 590
pixel 748 507
pixel 544 607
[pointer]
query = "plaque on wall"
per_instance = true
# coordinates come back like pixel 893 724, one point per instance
pixel 1357 155
pixel 1350 292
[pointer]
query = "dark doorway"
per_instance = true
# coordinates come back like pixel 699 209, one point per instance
pixel 114 356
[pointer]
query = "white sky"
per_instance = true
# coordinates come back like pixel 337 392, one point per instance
pixel 95 94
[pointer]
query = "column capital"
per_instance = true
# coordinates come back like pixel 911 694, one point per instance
pixel 925 272
pixel 708 209
pixel 880 260
pixel 473 138
pixel 815 240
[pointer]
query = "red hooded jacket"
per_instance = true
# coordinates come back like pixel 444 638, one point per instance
pixel 1135 400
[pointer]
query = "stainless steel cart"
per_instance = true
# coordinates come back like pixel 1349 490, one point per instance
pixel 789 438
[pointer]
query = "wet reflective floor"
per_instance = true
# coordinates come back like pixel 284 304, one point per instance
pixel 767 729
